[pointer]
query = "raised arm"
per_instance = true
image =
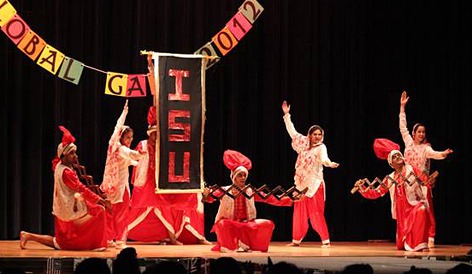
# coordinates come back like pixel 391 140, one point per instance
pixel 407 139
pixel 115 137
pixel 288 122
pixel 403 101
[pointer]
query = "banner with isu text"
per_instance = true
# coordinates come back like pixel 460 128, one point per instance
pixel 180 103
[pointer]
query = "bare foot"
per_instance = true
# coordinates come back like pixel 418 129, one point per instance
pixel 175 242
pixel 325 245
pixel 292 244
pixel 204 242
pixel 120 245
pixel 23 239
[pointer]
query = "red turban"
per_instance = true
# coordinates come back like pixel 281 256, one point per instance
pixel 236 162
pixel 152 119
pixel 67 145
pixel 382 147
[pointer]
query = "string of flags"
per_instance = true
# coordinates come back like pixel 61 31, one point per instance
pixel 118 84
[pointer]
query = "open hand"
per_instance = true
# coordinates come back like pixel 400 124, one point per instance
pixel 404 98
pixel 285 107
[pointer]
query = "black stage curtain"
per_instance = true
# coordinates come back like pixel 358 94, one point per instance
pixel 339 64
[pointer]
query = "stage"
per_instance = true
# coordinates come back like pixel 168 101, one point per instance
pixel 383 256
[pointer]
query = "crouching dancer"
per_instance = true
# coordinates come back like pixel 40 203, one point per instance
pixel 236 226
pixel 410 207
pixel 79 213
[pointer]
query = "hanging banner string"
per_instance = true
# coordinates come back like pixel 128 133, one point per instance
pixel 96 69
pixel 118 84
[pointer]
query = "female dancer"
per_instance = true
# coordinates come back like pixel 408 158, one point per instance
pixel 418 153
pixel 116 177
pixel 312 156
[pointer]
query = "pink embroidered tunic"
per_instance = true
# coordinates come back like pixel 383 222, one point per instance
pixel 418 155
pixel 310 161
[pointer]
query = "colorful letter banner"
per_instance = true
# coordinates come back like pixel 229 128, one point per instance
pixel 227 38
pixel 6 12
pixel 118 84
pixel 180 103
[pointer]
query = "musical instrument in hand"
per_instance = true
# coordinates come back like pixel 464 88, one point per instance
pixel 363 185
pixel 88 180
pixel 264 192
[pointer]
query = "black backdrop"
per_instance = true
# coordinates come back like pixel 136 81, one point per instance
pixel 340 64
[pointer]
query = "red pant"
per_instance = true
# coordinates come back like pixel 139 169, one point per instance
pixel 310 209
pixel 254 235
pixel 118 220
pixel 87 236
pixel 432 219
pixel 413 228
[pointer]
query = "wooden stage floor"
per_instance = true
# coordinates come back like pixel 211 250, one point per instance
pixel 309 255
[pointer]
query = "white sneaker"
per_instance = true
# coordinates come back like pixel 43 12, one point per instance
pixel 99 249
pixel 326 244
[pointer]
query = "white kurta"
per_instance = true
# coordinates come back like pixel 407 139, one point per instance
pixel 418 155
pixel 310 161
pixel 119 158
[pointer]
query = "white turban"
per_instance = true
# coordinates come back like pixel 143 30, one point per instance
pixel 63 150
pixel 151 129
pixel 390 156
pixel 238 170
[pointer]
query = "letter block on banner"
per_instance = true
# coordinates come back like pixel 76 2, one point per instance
pixel 136 86
pixel 32 45
pixel 50 59
pixel 71 70
pixel 225 40
pixel 251 9
pixel 239 25
pixel 116 84
pixel 6 12
pixel 16 29
pixel 208 50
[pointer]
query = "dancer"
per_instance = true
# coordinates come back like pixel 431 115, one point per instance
pixel 161 217
pixel 236 226
pixel 410 208
pixel 312 156
pixel 192 228
pixel 79 214
pixel 418 153
pixel 116 178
